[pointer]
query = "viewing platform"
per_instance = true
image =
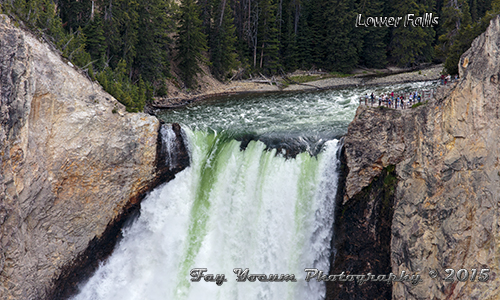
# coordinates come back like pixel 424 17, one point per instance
pixel 408 100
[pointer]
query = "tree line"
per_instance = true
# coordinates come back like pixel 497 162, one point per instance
pixel 129 45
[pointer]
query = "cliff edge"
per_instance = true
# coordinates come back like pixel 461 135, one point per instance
pixel 72 161
pixel 443 198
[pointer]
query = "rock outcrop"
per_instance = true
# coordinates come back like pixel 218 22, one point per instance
pixel 72 162
pixel 447 190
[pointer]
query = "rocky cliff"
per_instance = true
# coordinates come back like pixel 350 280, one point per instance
pixel 72 164
pixel 442 201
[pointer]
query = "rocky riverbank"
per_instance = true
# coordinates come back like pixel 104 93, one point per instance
pixel 213 88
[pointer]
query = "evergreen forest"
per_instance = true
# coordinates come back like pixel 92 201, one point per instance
pixel 130 46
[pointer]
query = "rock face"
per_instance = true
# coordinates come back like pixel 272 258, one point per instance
pixel 72 161
pixel 447 194
pixel 362 239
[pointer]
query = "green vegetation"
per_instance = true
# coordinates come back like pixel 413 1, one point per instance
pixel 119 86
pixel 389 187
pixel 304 78
pixel 419 104
pixel 340 75
pixel 462 22
pixel 191 42
pixel 223 42
pixel 126 51
pixel 129 45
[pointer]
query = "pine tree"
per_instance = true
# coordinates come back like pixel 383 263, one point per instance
pixel 152 54
pixel 288 35
pixel 117 83
pixel 96 42
pixel 121 30
pixel 315 34
pixel 465 37
pixel 112 32
pixel 74 48
pixel 340 48
pixel 307 38
pixel 484 6
pixel 268 43
pixel 206 15
pixel 473 10
pixel 128 17
pixel 75 13
pixel 373 52
pixel 191 42
pixel 456 16
pixel 223 41
pixel 412 45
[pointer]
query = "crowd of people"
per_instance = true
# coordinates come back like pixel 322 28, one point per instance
pixel 445 79
pixel 402 101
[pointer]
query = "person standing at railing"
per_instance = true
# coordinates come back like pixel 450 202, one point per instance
pixel 401 101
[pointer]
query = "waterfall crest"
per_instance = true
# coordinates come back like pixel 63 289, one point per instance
pixel 229 209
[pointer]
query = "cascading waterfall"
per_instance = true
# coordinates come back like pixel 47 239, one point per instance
pixel 230 209
pixel 168 144
pixel 234 208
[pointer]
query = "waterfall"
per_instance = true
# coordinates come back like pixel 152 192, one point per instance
pixel 230 208
pixel 168 145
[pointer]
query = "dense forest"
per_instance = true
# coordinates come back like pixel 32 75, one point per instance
pixel 129 45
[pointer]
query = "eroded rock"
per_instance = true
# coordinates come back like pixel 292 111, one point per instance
pixel 446 206
pixel 69 166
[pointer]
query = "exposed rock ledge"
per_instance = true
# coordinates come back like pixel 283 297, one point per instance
pixel 445 194
pixel 69 166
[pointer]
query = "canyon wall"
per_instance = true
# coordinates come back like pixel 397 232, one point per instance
pixel 73 162
pixel 444 196
pixel 420 192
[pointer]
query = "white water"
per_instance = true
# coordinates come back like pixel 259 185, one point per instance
pixel 230 209
pixel 323 114
pixel 168 143
pixel 239 209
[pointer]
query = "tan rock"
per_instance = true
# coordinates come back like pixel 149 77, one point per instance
pixel 69 166
pixel 446 205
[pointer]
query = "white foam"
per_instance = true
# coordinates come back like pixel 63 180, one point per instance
pixel 261 211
